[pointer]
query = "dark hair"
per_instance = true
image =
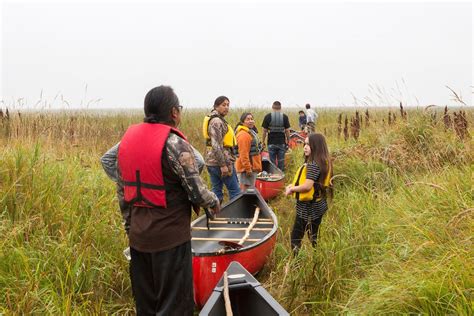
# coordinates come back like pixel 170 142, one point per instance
pixel 244 116
pixel 319 155
pixel 307 105
pixel 219 100
pixel 301 112
pixel 159 102
pixel 276 105
pixel 242 119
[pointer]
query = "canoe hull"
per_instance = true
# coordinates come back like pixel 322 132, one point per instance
pixel 270 187
pixel 246 296
pixel 208 270
pixel 211 258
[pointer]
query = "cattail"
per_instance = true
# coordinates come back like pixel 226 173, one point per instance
pixel 403 113
pixel 339 125
pixel 461 124
pixel 389 118
pixel 352 127
pixel 346 129
pixel 367 117
pixel 447 119
pixel 457 125
pixel 7 114
pixel 355 126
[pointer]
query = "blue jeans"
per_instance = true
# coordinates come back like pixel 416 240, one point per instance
pixel 277 152
pixel 218 182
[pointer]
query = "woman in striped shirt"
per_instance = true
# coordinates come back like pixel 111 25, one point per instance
pixel 311 208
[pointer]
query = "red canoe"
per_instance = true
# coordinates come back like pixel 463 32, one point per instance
pixel 296 138
pixel 271 181
pixel 215 248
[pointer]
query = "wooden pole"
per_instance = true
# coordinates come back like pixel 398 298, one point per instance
pixel 252 224
pixel 228 306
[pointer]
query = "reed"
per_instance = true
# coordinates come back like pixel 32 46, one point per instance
pixel 397 237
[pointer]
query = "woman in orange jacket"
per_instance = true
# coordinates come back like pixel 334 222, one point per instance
pixel 249 161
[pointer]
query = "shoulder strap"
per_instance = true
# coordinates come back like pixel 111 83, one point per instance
pixel 297 195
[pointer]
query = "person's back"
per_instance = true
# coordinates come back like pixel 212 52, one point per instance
pixel 302 119
pixel 276 125
pixel 311 117
pixel 159 182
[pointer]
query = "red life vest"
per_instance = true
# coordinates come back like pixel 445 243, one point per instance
pixel 139 162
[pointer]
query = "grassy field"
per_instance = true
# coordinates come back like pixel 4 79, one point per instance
pixel 397 239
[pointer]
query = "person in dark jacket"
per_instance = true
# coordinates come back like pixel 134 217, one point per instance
pixel 277 126
pixel 301 120
pixel 158 185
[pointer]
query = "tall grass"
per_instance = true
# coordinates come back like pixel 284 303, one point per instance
pixel 397 237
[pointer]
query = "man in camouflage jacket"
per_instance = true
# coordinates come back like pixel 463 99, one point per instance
pixel 160 236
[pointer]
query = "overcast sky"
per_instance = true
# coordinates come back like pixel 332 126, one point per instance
pixel 110 53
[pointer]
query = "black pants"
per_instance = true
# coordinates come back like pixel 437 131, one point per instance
pixel 162 282
pixel 300 227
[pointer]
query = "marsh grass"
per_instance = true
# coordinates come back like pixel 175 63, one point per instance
pixel 396 239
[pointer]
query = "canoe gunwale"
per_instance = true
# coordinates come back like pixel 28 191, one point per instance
pixel 282 178
pixel 247 283
pixel 263 240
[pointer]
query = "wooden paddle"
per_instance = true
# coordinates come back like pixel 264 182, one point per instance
pixel 252 224
pixel 228 306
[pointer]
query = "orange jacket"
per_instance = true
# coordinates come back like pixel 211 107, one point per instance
pixel 245 162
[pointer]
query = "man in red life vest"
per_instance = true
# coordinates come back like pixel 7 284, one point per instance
pixel 158 184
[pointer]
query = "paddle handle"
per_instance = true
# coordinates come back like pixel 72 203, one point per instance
pixel 228 306
pixel 209 215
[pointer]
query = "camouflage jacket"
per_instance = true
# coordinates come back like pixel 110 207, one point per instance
pixel 185 161
pixel 217 155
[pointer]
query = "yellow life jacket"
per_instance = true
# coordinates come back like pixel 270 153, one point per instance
pixel 311 195
pixel 229 140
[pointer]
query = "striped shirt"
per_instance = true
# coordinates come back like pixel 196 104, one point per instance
pixel 310 210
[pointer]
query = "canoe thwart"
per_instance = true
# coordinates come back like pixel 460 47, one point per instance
pixel 232 228
pixel 223 239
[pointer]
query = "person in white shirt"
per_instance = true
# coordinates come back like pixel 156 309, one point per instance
pixel 311 117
